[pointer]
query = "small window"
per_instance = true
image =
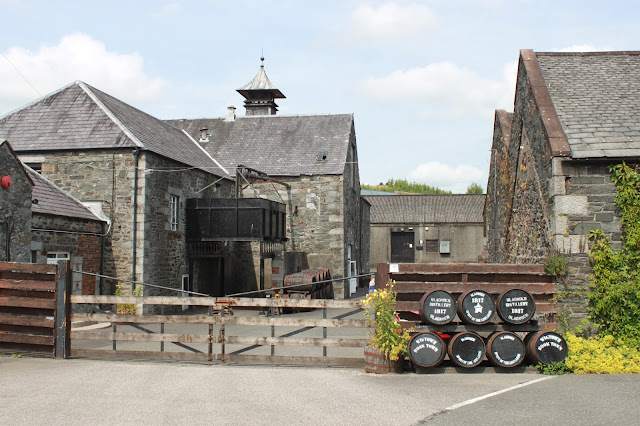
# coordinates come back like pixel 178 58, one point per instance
pixel 54 257
pixel 322 156
pixel 37 167
pixel 175 202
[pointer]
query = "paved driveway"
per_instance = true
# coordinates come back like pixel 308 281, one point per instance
pixel 45 391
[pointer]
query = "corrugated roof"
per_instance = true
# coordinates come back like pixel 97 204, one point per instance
pixel 56 201
pixel 80 117
pixel 277 144
pixel 596 97
pixel 418 209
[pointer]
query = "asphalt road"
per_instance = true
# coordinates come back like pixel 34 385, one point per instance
pixel 45 391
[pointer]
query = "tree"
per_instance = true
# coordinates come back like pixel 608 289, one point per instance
pixel 475 188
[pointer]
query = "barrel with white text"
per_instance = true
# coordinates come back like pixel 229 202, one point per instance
pixel 466 349
pixel 476 307
pixel 516 306
pixel 545 347
pixel 426 349
pixel 437 307
pixel 505 349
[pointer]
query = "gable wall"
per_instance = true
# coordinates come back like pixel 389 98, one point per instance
pixel 15 203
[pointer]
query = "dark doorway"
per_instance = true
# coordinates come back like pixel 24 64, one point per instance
pixel 402 247
pixel 210 276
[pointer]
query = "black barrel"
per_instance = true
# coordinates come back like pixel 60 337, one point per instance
pixel 438 307
pixel 426 349
pixel 476 307
pixel 545 347
pixel 466 349
pixel 505 349
pixel 516 306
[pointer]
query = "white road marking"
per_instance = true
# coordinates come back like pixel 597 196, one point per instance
pixel 492 394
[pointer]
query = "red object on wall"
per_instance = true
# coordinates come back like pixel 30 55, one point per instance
pixel 6 182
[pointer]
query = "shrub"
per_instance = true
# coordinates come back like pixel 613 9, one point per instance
pixel 601 355
pixel 388 336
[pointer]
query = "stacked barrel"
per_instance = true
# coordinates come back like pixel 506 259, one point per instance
pixel 475 336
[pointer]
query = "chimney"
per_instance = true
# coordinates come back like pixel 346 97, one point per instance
pixel 231 114
pixel 204 136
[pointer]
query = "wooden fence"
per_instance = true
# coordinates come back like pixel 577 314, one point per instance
pixel 146 336
pixel 31 295
pixel 414 280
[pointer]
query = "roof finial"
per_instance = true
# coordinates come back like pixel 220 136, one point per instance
pixel 262 58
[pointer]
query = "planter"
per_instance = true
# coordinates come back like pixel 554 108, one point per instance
pixel 376 362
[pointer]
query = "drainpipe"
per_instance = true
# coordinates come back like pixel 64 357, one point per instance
pixel 136 156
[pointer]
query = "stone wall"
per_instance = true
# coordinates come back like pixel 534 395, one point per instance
pixel 162 254
pixel 80 238
pixel 15 209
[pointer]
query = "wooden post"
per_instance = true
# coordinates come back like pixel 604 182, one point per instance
pixel 382 275
pixel 63 311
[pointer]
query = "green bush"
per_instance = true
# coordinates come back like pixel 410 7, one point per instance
pixel 601 355
pixel 614 296
pixel 556 265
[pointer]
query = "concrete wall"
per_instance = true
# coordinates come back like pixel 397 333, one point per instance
pixel 466 242
pixel 15 209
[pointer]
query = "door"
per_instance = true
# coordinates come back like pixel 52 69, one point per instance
pixel 402 247
pixel 353 281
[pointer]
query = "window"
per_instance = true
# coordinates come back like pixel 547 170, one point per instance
pixel 175 202
pixel 55 256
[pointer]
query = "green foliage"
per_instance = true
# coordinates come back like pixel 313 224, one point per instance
pixel 555 368
pixel 614 296
pixel 401 185
pixel 16 356
pixel 601 355
pixel 475 188
pixel 127 308
pixel 388 336
pixel 556 265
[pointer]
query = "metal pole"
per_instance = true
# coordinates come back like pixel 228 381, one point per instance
pixel 62 348
pixel 324 332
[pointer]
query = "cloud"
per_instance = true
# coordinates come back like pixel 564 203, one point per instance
pixel 76 57
pixel 168 9
pixel 388 22
pixel 455 91
pixel 444 176
pixel 583 48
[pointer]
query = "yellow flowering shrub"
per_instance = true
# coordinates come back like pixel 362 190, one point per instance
pixel 601 355
pixel 388 336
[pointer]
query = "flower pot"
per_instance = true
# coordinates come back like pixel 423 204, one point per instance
pixel 376 362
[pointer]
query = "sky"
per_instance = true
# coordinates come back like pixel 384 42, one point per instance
pixel 422 78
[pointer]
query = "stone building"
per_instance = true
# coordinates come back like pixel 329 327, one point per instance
pixel 312 165
pixel 15 207
pixel 137 169
pixel 426 228
pixel 44 224
pixel 549 186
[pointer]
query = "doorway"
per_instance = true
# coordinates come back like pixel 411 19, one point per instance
pixel 402 247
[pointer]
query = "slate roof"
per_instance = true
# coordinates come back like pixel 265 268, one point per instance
pixel 418 209
pixel 278 145
pixel 56 201
pixel 596 97
pixel 81 117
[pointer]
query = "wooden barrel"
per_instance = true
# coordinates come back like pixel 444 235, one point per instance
pixel 505 349
pixel 466 349
pixel 426 349
pixel 476 307
pixel 437 307
pixel 376 362
pixel 516 306
pixel 545 347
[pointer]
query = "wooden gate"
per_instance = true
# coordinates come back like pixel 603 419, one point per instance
pixel 215 335
pixel 31 295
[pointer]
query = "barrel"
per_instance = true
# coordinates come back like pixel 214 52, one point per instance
pixel 466 349
pixel 516 306
pixel 437 307
pixel 545 347
pixel 376 362
pixel 426 349
pixel 505 349
pixel 476 307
